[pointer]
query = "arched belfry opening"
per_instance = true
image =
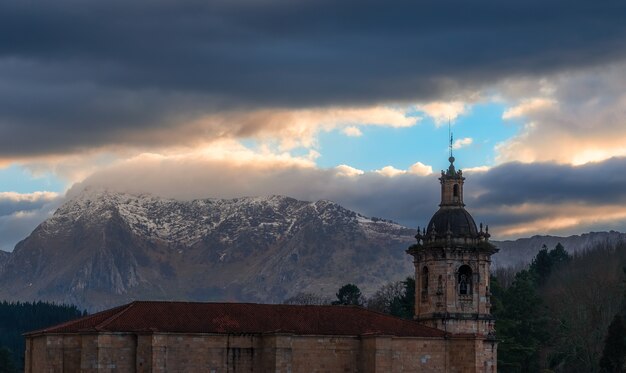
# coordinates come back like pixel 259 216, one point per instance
pixel 455 192
pixel 464 280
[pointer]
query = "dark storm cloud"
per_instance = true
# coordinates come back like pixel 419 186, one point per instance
pixel 21 213
pixel 10 206
pixel 548 183
pixel 84 73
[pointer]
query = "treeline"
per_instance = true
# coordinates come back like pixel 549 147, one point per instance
pixel 394 298
pixel 17 318
pixel 555 315
pixel 562 314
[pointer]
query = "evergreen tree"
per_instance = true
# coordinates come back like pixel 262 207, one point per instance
pixel 614 355
pixel 6 361
pixel 546 261
pixel 349 294
pixel 559 256
pixel 406 303
pixel 541 265
pixel 21 317
pixel 521 324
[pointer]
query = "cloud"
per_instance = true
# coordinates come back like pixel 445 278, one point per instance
pixel 250 173
pixel 76 75
pixel 547 183
pixel 390 171
pixel 12 202
pixel 291 128
pixel 476 169
pixel 515 199
pixel 352 131
pixel 529 106
pixel 21 213
pixel 460 143
pixel 442 112
pixel 418 168
pixel 346 170
pixel 579 119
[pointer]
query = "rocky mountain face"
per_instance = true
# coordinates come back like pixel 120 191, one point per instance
pixel 521 252
pixel 104 248
pixel 4 257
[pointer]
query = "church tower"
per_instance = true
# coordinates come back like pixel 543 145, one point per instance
pixel 452 259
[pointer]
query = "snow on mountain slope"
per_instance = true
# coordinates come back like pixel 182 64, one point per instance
pixel 103 248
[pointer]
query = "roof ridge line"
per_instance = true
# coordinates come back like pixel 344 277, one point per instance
pixel 69 322
pixel 114 316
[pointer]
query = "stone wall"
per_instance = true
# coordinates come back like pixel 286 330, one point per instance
pixel 281 353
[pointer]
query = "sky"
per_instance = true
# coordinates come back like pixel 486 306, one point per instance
pixel 349 101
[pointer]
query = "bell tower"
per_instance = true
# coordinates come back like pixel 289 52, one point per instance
pixel 452 259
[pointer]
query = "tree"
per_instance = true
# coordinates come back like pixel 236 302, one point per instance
pixel 542 265
pixel 521 324
pixel 395 298
pixel 547 261
pixel 559 256
pixel 304 298
pixel 17 318
pixel 349 294
pixel 614 353
pixel 6 361
pixel 407 301
pixel 387 299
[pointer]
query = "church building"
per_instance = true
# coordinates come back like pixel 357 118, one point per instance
pixel 452 331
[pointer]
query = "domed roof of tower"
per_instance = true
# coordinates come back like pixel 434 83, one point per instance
pixel 456 220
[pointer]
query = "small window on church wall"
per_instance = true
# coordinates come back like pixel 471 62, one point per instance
pixel 455 191
pixel 424 283
pixel 465 280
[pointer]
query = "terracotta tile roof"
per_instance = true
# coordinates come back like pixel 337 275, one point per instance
pixel 243 318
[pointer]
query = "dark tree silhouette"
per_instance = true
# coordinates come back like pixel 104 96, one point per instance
pixel 614 354
pixel 21 317
pixel 349 294
pixel 6 361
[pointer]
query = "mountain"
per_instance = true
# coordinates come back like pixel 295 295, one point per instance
pixel 4 257
pixel 104 248
pixel 522 251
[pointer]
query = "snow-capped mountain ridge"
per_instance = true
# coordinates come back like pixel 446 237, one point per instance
pixel 103 247
pixel 186 222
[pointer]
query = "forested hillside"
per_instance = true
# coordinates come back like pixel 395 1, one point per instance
pixel 21 317
pixel 555 315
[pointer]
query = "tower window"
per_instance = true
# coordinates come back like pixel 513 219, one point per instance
pixel 424 284
pixel 465 280
pixel 455 192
